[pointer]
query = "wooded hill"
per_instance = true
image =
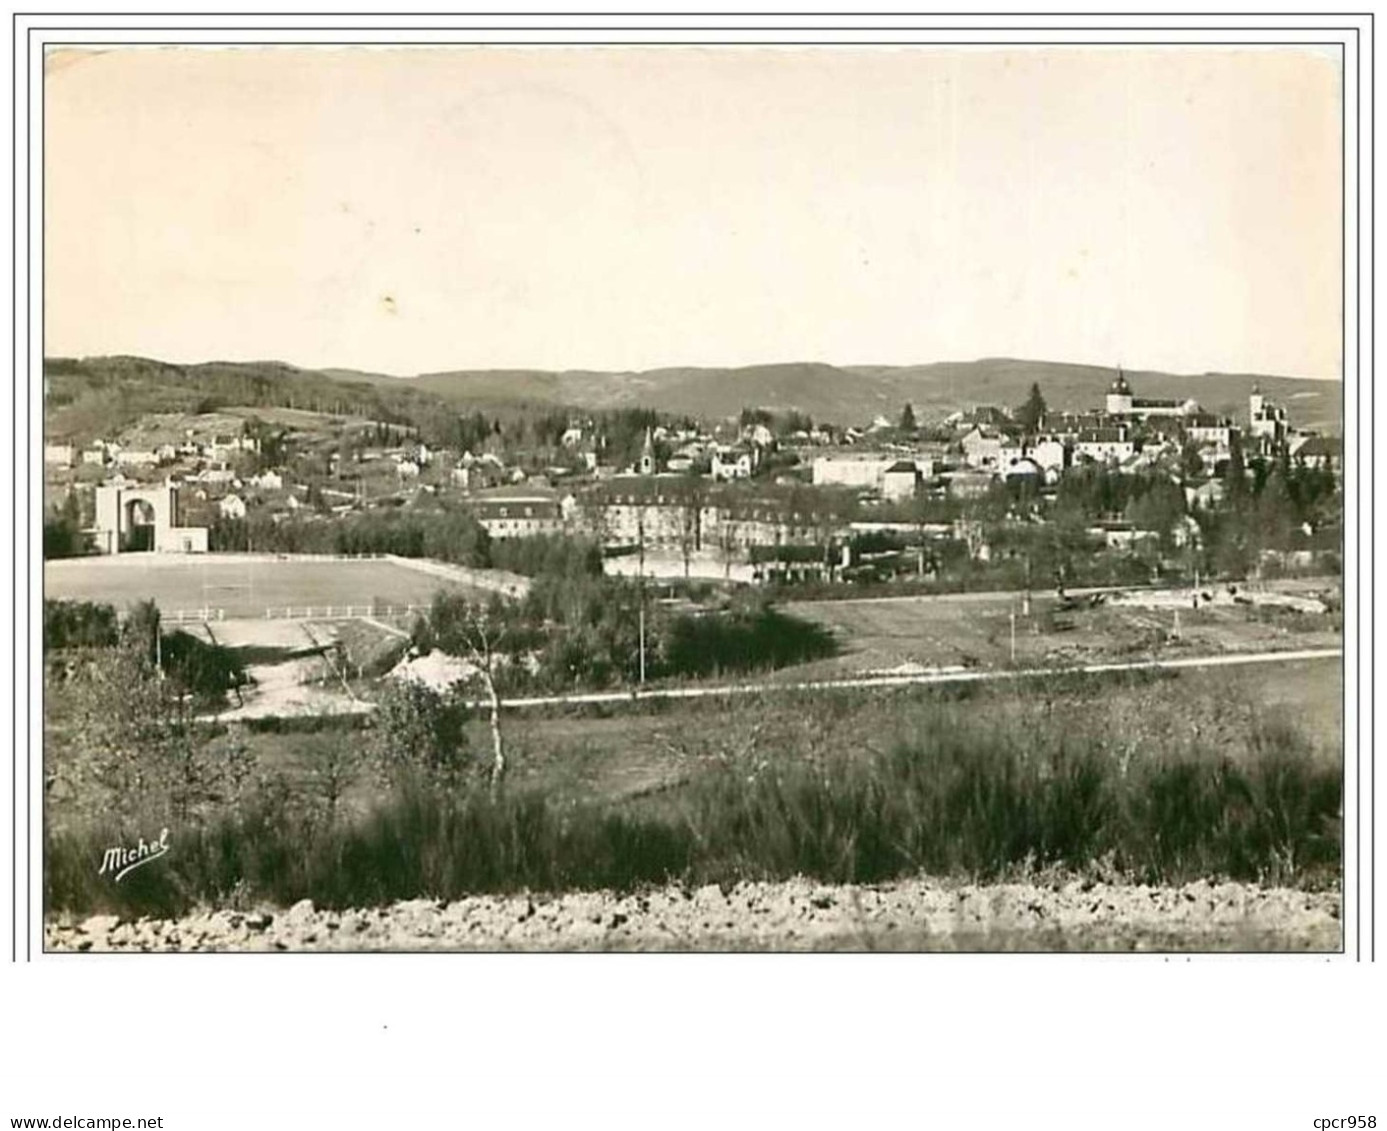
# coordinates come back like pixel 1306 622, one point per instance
pixel 97 395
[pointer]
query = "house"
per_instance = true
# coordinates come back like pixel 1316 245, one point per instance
pixel 232 506
pixel 217 476
pixel 1206 428
pixel 732 463
pixel 507 513
pixel 1050 454
pixel 759 435
pixel 95 455
pixel 268 481
pixel 1323 452
pixel 59 455
pixel 1103 444
pixel 981 449
pixel 1025 468
pixel 407 469
pixel 969 484
pixel 851 469
pixel 129 457
pixel 900 481
pixel 984 416
pixel 1206 496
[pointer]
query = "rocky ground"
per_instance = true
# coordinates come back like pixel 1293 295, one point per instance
pixel 800 915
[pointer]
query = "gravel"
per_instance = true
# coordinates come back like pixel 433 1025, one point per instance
pixel 799 915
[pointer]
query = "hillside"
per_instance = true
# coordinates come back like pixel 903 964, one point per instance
pixel 855 394
pixel 97 395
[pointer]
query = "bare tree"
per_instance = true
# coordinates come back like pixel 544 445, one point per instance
pixel 483 634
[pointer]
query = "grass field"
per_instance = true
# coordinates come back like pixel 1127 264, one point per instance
pixel 647 750
pixel 975 630
pixel 239 586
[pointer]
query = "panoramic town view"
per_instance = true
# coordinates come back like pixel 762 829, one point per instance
pixel 958 652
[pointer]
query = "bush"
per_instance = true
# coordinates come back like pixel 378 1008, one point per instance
pixel 79 624
pixel 963 793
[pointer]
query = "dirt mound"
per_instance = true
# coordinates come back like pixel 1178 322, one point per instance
pixel 800 915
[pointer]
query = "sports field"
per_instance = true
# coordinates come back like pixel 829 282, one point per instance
pixel 240 586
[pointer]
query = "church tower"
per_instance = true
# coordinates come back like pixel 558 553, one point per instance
pixel 1119 397
pixel 647 464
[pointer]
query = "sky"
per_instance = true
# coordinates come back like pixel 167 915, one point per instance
pixel 407 211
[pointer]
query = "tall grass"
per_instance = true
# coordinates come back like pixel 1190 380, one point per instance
pixel 968 792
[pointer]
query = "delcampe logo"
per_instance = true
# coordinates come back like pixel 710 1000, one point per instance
pixel 120 862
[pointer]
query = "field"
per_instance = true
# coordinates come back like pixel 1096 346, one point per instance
pixel 644 751
pixel 241 586
pixel 974 630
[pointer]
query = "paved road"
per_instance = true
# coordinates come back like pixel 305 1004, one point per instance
pixel 923 678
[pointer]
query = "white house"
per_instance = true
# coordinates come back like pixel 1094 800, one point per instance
pixel 900 481
pixel 1104 444
pixel 851 469
pixel 60 455
pixel 731 463
pixel 233 506
pixel 268 481
pixel 1050 454
pixel 982 449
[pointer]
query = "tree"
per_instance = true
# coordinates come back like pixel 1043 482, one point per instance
pixel 478 633
pixel 419 730
pixel 1236 475
pixel 908 422
pixel 1030 414
pixel 1191 463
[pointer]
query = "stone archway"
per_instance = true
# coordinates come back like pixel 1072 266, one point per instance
pixel 140 526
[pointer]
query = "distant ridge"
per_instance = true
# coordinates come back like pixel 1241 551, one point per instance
pixel 856 393
pixel 90 390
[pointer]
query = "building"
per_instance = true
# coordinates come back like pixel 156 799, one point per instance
pixel 1321 452
pixel 131 518
pixel 1268 424
pixel 519 514
pixel 232 506
pixel 731 463
pixel 1122 402
pixel 1104 444
pixel 900 481
pixel 647 464
pixel 59 455
pixel 851 469
pixel 1050 454
pixel 1206 428
pixel 982 450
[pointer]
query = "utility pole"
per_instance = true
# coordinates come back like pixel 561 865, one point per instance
pixel 642 632
pixel 640 519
